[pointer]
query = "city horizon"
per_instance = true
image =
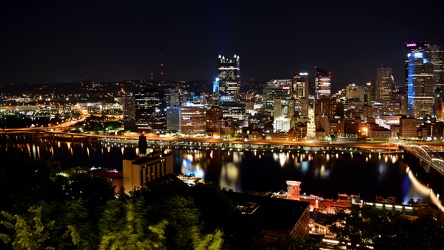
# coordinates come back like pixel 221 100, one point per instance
pixel 47 43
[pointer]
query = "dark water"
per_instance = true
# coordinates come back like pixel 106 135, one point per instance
pixel 321 174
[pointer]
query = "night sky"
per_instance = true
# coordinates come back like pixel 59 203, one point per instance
pixel 58 41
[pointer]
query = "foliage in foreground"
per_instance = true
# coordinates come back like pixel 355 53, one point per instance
pixel 383 229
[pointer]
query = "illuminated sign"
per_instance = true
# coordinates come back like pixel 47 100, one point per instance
pixel 285 87
pixel 417 55
pixel 411 44
pixel 303 74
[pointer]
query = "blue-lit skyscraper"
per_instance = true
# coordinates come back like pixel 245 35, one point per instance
pixel 419 79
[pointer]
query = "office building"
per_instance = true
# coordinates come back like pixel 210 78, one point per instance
pixel 385 84
pixel 276 89
pixel 353 91
pixel 437 59
pixel 150 111
pixel 128 107
pixel 129 112
pixel 370 92
pixel 192 119
pixel 408 127
pixel 300 85
pixel 227 83
pixel 213 118
pixel 173 119
pixel 419 79
pixel 226 90
pixel 322 83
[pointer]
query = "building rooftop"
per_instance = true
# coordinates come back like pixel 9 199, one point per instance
pixel 274 214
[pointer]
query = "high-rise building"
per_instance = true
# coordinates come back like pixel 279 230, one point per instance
pixel 192 119
pixel 228 82
pixel 276 89
pixel 173 97
pixel 129 112
pixel 419 78
pixel 322 83
pixel 385 84
pixel 173 119
pixel 213 118
pixel 300 85
pixel 437 59
pixel 370 92
pixel 128 107
pixel 150 111
pixel 353 91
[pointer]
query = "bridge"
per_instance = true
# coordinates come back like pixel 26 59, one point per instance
pixel 427 154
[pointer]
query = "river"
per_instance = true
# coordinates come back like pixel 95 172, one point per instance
pixel 321 174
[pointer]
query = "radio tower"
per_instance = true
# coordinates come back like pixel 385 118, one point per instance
pixel 161 67
pixel 84 76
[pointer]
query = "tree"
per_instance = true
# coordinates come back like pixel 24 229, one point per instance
pixel 184 229
pixel 31 232
pixel 386 229
pixel 79 184
pixel 75 216
pixel 123 226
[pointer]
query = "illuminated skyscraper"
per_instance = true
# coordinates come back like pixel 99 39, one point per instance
pixel 229 79
pixel 437 59
pixel 322 83
pixel 419 79
pixel 300 85
pixel 385 84
pixel 150 111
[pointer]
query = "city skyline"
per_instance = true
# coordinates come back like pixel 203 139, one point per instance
pixel 113 41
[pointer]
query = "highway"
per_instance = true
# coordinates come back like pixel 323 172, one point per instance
pixel 58 133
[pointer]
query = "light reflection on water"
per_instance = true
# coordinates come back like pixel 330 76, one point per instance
pixel 418 190
pixel 322 174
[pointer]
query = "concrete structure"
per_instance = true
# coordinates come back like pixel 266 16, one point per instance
pixel 138 172
pixel 408 127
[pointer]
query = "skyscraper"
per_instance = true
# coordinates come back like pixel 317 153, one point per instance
pixel 150 111
pixel 322 83
pixel 385 84
pixel 419 79
pixel 229 79
pixel 437 59
pixel 300 85
pixel 226 91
